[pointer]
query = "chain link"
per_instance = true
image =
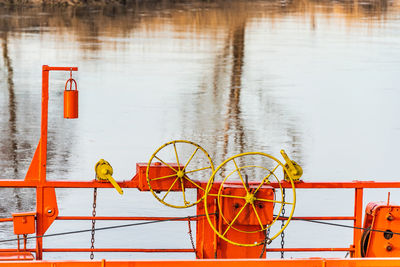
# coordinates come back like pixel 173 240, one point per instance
pixel 93 222
pixel 191 237
pixel 283 225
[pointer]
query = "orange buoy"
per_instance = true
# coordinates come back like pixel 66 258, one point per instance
pixel 70 100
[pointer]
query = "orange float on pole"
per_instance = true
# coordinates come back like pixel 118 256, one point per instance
pixel 70 99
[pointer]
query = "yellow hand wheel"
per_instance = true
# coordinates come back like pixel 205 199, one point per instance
pixel 189 163
pixel 246 203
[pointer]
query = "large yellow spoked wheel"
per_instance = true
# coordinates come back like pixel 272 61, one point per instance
pixel 248 190
pixel 189 163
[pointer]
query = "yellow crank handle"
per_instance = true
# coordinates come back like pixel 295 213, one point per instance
pixel 289 162
pixel 114 183
pixel 104 171
pixel 295 169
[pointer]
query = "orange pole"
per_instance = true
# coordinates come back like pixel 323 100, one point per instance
pixel 321 218
pixel 135 218
pixel 15 250
pixel 44 124
pixel 358 210
pixel 169 250
pixel 40 195
pixel 45 67
pixel 111 218
pixel 42 162
pixel 146 250
pixel 133 184
pixel 307 249
pixel 44 121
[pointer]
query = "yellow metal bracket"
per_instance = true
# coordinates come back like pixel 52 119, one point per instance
pixel 294 169
pixel 104 171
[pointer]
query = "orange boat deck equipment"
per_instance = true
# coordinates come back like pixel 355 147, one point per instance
pixel 235 209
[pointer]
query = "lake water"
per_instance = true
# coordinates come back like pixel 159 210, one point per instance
pixel 318 79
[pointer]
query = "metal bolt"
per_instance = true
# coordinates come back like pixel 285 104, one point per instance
pixel 388 234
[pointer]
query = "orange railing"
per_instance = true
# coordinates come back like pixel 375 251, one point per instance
pixel 356 217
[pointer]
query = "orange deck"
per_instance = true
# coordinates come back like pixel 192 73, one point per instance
pixel 310 262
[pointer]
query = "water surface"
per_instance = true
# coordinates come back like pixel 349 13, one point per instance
pixel 316 78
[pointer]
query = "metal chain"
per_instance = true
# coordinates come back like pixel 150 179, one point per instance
pixel 191 237
pixel 93 222
pixel 283 225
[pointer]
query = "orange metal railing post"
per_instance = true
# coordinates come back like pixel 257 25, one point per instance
pixel 42 162
pixel 44 124
pixel 39 222
pixel 358 211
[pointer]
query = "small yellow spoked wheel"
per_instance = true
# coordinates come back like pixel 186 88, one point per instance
pixel 250 196
pixel 188 163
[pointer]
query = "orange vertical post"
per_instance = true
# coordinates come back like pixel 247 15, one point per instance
pixel 42 162
pixel 46 203
pixel 44 124
pixel 39 222
pixel 358 211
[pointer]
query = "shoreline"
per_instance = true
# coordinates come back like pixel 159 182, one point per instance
pixel 72 3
